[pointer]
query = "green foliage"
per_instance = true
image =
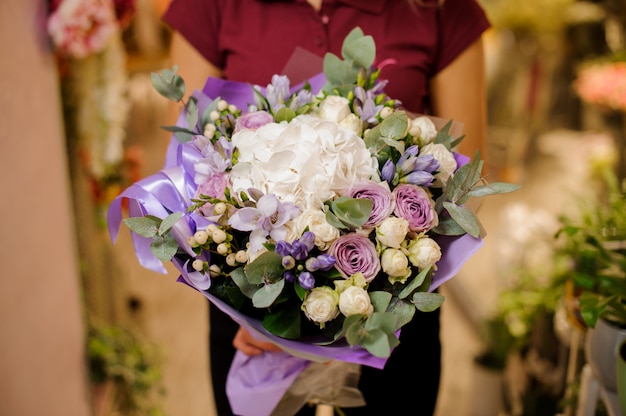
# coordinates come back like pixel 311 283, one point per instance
pixel 133 365
pixel 163 245
pixel 595 246
pixel 348 213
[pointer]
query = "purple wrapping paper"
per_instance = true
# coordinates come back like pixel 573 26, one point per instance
pixel 255 384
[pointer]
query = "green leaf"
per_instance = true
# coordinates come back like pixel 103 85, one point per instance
pixel 350 212
pixel 182 134
pixel 338 72
pixel 284 114
pixel 380 300
pixel 377 343
pixel 492 189
pixel 448 226
pixel 415 283
pixel 144 226
pixel 404 311
pixel 191 113
pixel 169 221
pixel 169 84
pixel 164 247
pixel 266 268
pixel 360 51
pixel 284 322
pixel 239 277
pixel 464 217
pixel 427 301
pixel 267 294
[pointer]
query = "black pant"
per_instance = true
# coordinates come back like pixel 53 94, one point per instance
pixel 417 359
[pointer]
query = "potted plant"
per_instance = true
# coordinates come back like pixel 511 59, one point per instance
pixel 125 371
pixel 593 248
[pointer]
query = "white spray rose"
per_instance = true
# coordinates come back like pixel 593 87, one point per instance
pixel 423 128
pixel 352 122
pixel 396 265
pixel 424 252
pixel 355 300
pixel 447 163
pixel 315 220
pixel 334 108
pixel 321 304
pixel 392 231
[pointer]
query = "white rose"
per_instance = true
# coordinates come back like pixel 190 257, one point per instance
pixel 424 252
pixel 424 129
pixel 396 265
pixel 334 108
pixel 355 300
pixel 352 122
pixel 321 304
pixel 447 163
pixel 392 231
pixel 315 220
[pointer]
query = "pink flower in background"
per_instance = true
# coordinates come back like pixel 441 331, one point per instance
pixel 603 84
pixel 82 27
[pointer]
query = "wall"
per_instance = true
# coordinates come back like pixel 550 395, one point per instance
pixel 41 332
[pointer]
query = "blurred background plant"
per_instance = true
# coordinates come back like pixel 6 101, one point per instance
pixel 131 364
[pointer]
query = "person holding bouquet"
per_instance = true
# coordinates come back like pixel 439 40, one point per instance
pixel 430 52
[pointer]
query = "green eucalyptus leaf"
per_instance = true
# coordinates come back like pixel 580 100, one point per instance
pixel 464 217
pixel 492 189
pixel 415 283
pixel 267 268
pixel 448 226
pixel 380 300
pixel 360 52
pixel 169 221
pixel 338 72
pixel 191 113
pixel 164 247
pixel 267 294
pixel 404 311
pixel 169 84
pixel 352 328
pixel 182 134
pixel 376 342
pixel 239 277
pixel 144 226
pixel 395 125
pixel 351 212
pixel 284 322
pixel 428 301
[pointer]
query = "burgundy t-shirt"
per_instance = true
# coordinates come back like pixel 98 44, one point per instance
pixel 251 40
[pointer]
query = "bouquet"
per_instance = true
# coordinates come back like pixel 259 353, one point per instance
pixel 321 217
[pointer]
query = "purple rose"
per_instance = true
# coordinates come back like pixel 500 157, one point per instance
pixel 355 253
pixel 253 120
pixel 382 200
pixel 414 204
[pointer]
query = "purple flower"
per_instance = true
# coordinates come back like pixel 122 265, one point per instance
pixel 278 91
pixel 323 262
pixel 306 280
pixel 355 253
pixel 268 218
pixel 414 204
pixel 381 197
pixel 253 120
